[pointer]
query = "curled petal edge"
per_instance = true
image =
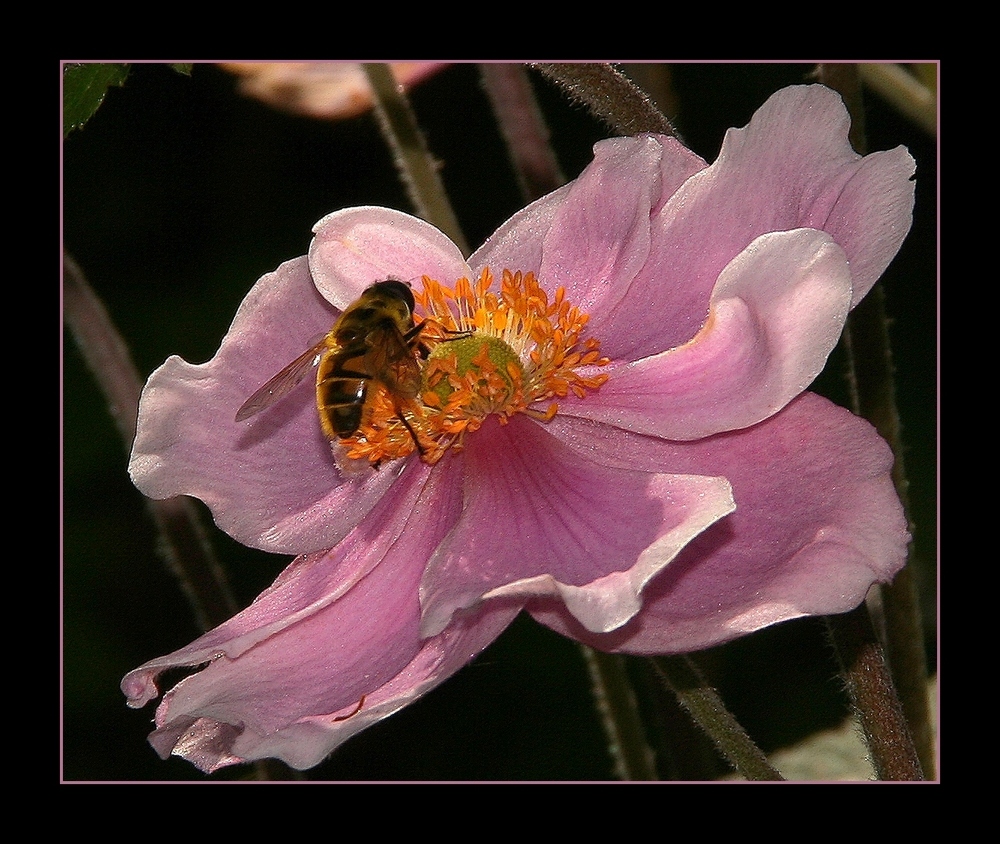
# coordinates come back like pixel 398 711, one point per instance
pixel 775 315
pixel 355 247
pixel 210 744
pixel 610 601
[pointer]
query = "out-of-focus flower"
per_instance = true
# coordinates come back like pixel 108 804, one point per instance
pixel 327 90
pixel 624 446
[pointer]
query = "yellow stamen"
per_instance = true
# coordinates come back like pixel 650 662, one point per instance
pixel 490 353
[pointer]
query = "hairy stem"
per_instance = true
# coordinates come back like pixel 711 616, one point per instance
pixel 618 709
pixel 873 696
pixel 705 706
pixel 416 166
pixel 610 96
pixel 523 128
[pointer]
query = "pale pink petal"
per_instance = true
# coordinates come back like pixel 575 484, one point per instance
pixel 271 481
pixel 592 235
pixel 599 237
pixel 356 247
pixel 599 240
pixel 817 522
pixel 211 744
pixel 792 167
pixel 517 244
pixel 871 232
pixel 282 672
pixel 330 90
pixel 775 315
pixel 539 520
pixel 866 204
pixel 323 583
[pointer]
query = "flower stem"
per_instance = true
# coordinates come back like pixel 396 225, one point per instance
pixel 186 548
pixel 619 712
pixel 874 696
pixel 610 96
pixel 873 396
pixel 414 162
pixel 523 128
pixel 907 93
pixel 704 705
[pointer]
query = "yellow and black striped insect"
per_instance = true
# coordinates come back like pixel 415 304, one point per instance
pixel 374 340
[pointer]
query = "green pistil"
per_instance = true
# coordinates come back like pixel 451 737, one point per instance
pixel 485 368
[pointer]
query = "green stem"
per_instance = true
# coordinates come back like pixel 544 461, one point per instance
pixel 619 713
pixel 416 166
pixel 704 705
pixel 907 93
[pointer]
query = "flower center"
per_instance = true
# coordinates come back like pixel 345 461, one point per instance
pixel 482 353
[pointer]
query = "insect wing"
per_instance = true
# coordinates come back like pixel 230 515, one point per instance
pixel 394 362
pixel 281 384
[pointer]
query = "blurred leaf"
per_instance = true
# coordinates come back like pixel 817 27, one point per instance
pixel 84 87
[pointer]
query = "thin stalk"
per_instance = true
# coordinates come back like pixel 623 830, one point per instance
pixel 610 96
pixel 523 128
pixel 873 696
pixel 905 91
pixel 873 396
pixel 416 166
pixel 618 709
pixel 183 541
pixel 702 702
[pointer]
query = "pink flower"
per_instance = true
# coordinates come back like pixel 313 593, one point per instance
pixel 686 491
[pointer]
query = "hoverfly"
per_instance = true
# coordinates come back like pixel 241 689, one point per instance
pixel 374 340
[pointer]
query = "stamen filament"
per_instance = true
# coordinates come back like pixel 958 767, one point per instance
pixel 490 354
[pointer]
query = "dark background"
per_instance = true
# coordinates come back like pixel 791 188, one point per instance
pixel 177 196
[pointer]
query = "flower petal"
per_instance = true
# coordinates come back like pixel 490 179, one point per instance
pixel 356 247
pixel 517 244
pixel 284 673
pixel 329 90
pixel 776 313
pixel 792 167
pixel 592 235
pixel 539 520
pixel 271 482
pixel 315 582
pixel 817 522
pixel 866 204
pixel 599 237
pixel 211 744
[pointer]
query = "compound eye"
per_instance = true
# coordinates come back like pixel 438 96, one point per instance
pixel 400 290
